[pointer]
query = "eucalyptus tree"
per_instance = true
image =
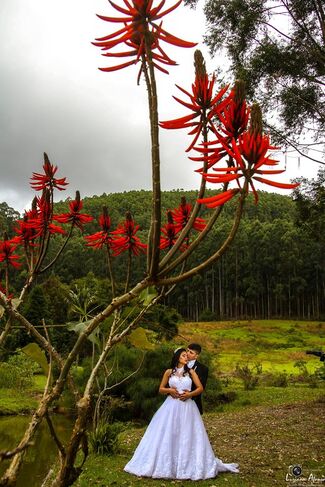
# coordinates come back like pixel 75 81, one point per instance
pixel 278 48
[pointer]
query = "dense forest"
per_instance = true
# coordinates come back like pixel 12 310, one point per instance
pixel 274 269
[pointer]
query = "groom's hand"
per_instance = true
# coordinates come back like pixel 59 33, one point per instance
pixel 185 395
pixel 174 393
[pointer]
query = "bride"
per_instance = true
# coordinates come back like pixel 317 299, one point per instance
pixel 175 444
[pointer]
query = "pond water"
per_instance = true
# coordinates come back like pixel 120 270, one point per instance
pixel 40 456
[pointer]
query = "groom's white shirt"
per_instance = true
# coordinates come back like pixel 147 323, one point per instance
pixel 191 363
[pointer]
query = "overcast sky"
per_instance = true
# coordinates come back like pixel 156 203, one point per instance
pixel 93 125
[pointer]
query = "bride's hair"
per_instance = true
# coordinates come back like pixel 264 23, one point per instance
pixel 175 360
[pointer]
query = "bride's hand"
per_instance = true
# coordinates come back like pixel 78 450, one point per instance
pixel 174 393
pixel 185 395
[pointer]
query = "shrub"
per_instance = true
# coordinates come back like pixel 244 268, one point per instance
pixel 11 377
pixel 26 364
pixel 302 366
pixel 207 315
pixel 211 393
pixel 145 397
pixel 247 375
pixel 103 439
pixel 18 372
pixel 276 380
pixel 216 399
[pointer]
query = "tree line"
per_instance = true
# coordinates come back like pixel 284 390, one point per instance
pixel 274 269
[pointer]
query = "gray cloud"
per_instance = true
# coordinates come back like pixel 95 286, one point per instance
pixel 93 125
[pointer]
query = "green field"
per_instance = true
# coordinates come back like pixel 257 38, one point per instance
pixel 274 344
pixel 15 401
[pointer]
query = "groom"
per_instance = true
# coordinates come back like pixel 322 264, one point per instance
pixel 193 351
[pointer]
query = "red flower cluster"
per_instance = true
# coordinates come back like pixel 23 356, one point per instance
pixel 37 223
pixel 47 180
pixel 25 233
pixel 35 229
pixel 41 220
pixel 182 213
pixel 249 155
pixel 103 237
pixel 122 239
pixel 176 221
pixel 234 117
pixel 204 105
pixel 141 34
pixel 125 237
pixel 227 119
pixel 169 232
pixel 7 249
pixel 74 217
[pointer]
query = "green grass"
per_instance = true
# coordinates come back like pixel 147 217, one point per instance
pixel 108 471
pixel 271 396
pixel 14 401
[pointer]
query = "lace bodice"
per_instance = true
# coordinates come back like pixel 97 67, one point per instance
pixel 180 382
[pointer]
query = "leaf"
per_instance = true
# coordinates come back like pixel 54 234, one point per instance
pixel 138 338
pixel 2 310
pixel 80 328
pixel 148 295
pixel 33 351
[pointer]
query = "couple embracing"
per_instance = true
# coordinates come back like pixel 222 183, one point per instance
pixel 175 444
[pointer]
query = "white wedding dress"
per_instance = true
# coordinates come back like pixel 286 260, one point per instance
pixel 175 444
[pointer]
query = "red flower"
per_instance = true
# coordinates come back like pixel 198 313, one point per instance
pixel 170 230
pixel 104 220
pixel 103 237
pixel 234 117
pixel 219 199
pixel 141 34
pixel 25 234
pixel 7 248
pixel 74 217
pixel 125 237
pixel 42 220
pixel 249 155
pixel 47 180
pixel 182 214
pixel 203 103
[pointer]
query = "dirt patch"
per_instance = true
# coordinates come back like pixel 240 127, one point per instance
pixel 265 441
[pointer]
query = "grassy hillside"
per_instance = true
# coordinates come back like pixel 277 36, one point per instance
pixel 275 344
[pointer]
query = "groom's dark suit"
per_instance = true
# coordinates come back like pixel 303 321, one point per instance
pixel 202 371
